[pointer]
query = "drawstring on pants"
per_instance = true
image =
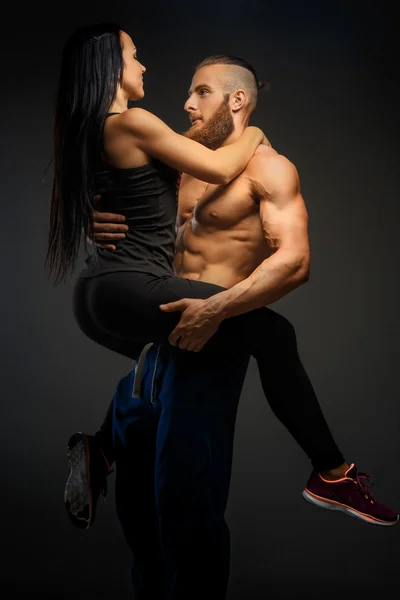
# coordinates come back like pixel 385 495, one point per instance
pixel 139 371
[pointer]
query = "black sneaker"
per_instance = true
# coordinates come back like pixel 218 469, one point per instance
pixel 87 479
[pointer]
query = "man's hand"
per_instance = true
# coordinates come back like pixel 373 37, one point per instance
pixel 107 227
pixel 199 321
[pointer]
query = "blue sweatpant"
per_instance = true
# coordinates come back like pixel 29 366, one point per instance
pixel 173 443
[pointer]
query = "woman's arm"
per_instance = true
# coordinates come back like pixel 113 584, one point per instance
pixel 155 138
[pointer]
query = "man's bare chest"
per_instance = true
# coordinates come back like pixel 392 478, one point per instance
pixel 217 206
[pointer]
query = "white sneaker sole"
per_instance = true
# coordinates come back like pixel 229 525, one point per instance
pixel 320 503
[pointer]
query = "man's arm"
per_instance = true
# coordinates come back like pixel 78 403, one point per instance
pixel 285 224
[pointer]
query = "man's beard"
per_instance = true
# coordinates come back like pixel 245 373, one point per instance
pixel 217 129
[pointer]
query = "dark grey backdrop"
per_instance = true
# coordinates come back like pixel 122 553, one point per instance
pixel 333 110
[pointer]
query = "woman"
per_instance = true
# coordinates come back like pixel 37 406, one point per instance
pixel 133 159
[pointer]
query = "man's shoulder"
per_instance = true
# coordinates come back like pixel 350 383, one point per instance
pixel 268 167
pixel 266 156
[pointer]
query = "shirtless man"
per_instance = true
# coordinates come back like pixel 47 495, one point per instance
pixel 251 238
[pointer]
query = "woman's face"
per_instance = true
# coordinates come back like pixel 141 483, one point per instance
pixel 132 77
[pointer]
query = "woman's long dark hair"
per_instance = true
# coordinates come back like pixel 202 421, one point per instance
pixel 91 68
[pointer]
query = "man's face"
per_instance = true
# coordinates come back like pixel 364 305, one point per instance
pixel 208 108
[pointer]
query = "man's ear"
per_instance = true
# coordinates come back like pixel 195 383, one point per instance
pixel 238 100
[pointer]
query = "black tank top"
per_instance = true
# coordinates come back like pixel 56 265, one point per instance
pixel 147 197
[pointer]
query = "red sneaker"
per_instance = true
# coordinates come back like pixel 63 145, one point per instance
pixel 350 495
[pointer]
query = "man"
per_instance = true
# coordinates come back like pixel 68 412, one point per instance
pixel 251 238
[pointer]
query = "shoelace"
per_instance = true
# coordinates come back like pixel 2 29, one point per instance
pixel 364 485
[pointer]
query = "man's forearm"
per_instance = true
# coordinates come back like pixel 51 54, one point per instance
pixel 274 278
